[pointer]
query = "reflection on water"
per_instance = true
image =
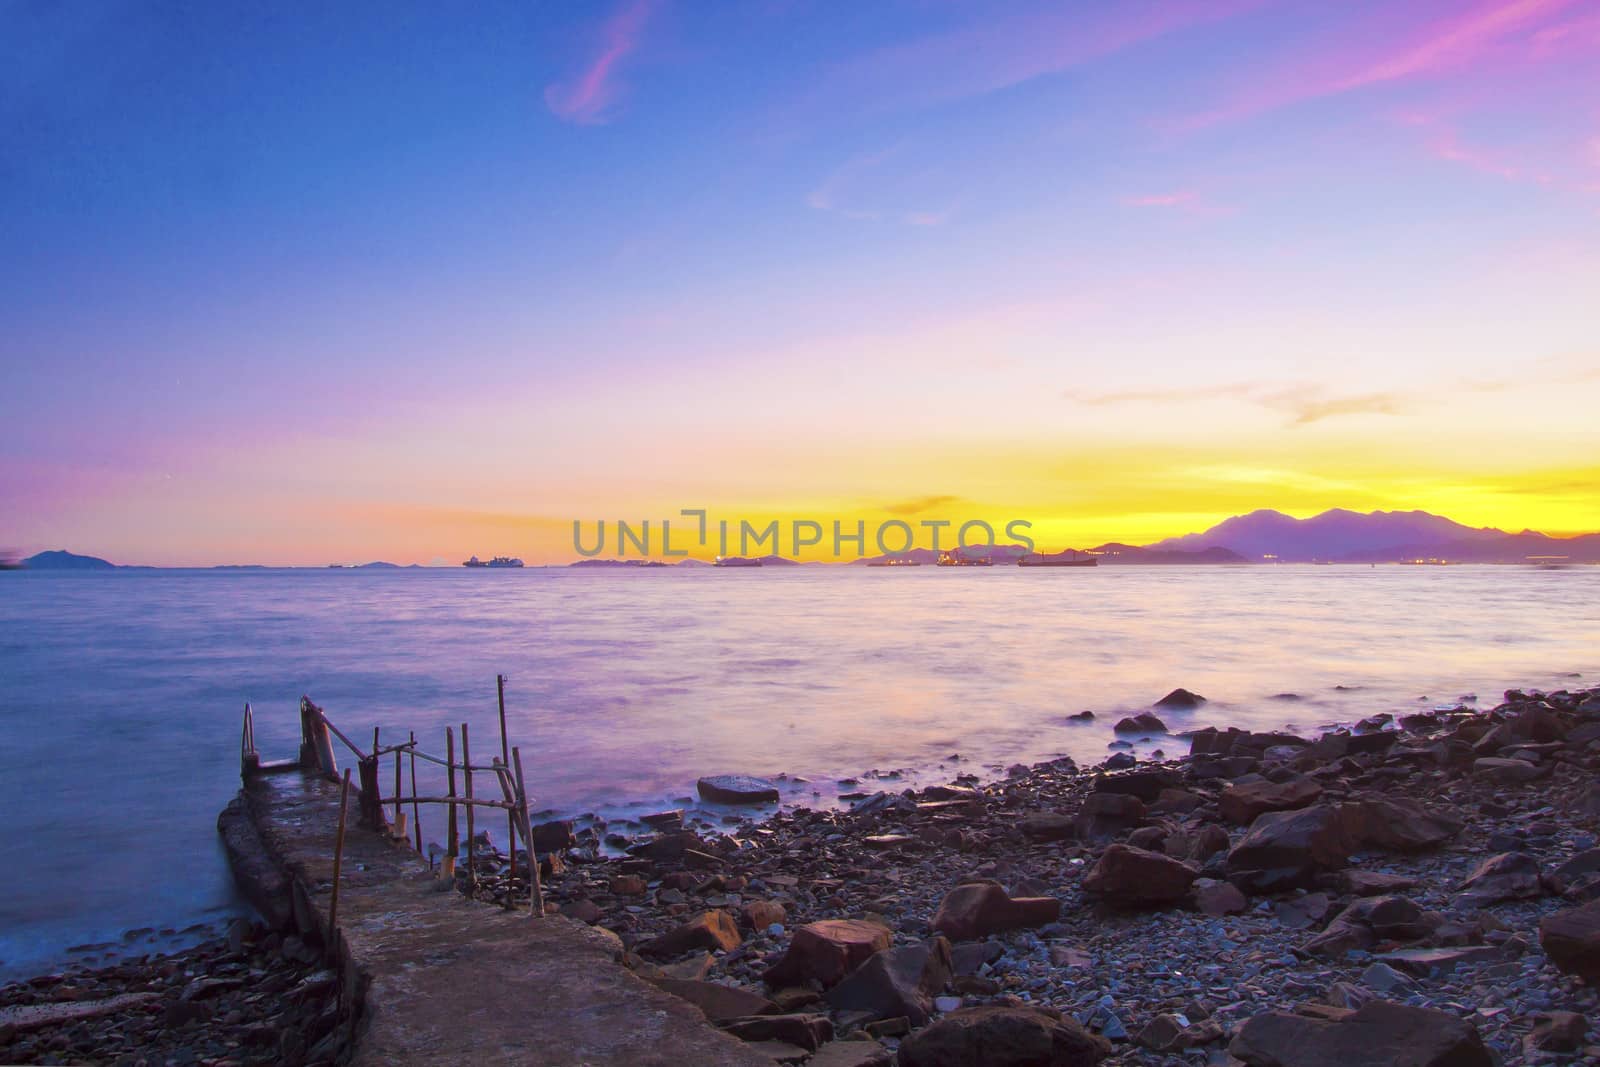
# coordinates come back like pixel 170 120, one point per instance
pixel 122 691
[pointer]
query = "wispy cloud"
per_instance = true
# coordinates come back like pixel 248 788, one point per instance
pixel 1467 37
pixel 994 53
pixel 589 98
pixel 1302 404
pixel 1169 200
pixel 918 505
pixel 839 193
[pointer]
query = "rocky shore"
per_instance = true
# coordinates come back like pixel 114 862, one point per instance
pixel 1420 891
pixel 248 997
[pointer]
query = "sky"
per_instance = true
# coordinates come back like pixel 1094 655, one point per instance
pixel 298 285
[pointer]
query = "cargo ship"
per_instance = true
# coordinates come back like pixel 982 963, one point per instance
pixel 952 559
pixel 498 561
pixel 1037 559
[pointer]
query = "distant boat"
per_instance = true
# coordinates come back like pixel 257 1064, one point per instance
pixel 498 561
pixel 1035 559
pixel 895 563
pixel 951 559
pixel 735 561
pixel 1429 562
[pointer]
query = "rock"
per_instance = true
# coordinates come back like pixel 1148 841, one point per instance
pixel 826 951
pixel 1571 938
pixel 628 885
pixel 1299 913
pixel 1047 826
pixel 718 1002
pixel 1505 771
pixel 1146 784
pixel 1220 898
pixel 1366 922
pixel 1118 761
pixel 1197 847
pixel 670 846
pixel 1508 876
pixel 585 911
pixel 1134 877
pixel 1373 883
pixel 1377 1034
pixel 896 982
pixel 737 789
pixel 979 909
pixel 1557 1031
pixel 760 914
pixel 1397 824
pixel 1424 962
pixel 1242 802
pixel 1002 1036
pixel 1382 978
pixel 553 836
pixel 1106 815
pixel 710 930
pixel 851 1054
pixel 809 1032
pixel 1172 1032
pixel 1145 723
pixel 1286 849
pixel 1181 700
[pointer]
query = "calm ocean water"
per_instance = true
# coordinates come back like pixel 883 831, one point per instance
pixel 122 691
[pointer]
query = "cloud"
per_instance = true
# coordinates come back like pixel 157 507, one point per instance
pixel 1179 199
pixel 839 191
pixel 1470 35
pixel 1303 404
pixel 919 504
pixel 588 98
pixel 1307 405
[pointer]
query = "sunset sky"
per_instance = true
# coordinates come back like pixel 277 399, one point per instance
pixel 299 284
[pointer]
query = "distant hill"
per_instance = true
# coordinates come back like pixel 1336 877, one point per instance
pixel 62 560
pixel 1377 537
pixel 605 564
pixel 1116 552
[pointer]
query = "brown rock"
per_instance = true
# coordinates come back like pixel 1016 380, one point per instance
pixel 1242 802
pixel 1003 1036
pixel 1220 898
pixel 1131 876
pixel 1145 722
pixel 1106 815
pixel 1373 883
pixel 1180 699
pixel 710 930
pixel 1368 921
pixel 585 911
pixel 1571 938
pixel 1398 824
pixel 1285 849
pixel 827 951
pixel 628 885
pixel 718 1002
pixel 760 914
pixel 809 1032
pixel 979 909
pixel 1558 1031
pixel 1145 784
pixel 1047 826
pixel 896 982
pixel 1508 876
pixel 1506 771
pixel 1377 1034
pixel 851 1054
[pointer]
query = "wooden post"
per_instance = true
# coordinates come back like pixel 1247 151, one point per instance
pixel 338 859
pixel 535 890
pixel 399 816
pixel 372 813
pixel 505 758
pixel 472 843
pixel 316 743
pixel 448 867
pixel 416 809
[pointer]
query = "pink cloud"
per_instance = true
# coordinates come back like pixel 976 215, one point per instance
pixel 1467 37
pixel 588 98
pixel 1181 199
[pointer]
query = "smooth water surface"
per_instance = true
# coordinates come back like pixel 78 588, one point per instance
pixel 121 692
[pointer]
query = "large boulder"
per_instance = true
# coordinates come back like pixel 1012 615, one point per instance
pixel 827 951
pixel 896 982
pixel 1047 826
pixel 1133 877
pixel 805 1031
pixel 1145 784
pixel 1370 920
pixel 1180 699
pixel 710 930
pixel 979 909
pixel 1243 802
pixel 737 789
pixel 1508 876
pixel 1003 1036
pixel 1288 849
pixel 718 1002
pixel 1396 824
pixel 1107 815
pixel 1571 938
pixel 1377 1034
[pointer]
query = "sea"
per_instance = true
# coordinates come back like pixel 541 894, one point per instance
pixel 122 692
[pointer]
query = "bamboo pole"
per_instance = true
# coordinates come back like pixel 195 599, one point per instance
pixel 505 757
pixel 398 815
pixel 535 890
pixel 338 857
pixel 472 839
pixel 416 810
pixel 448 867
